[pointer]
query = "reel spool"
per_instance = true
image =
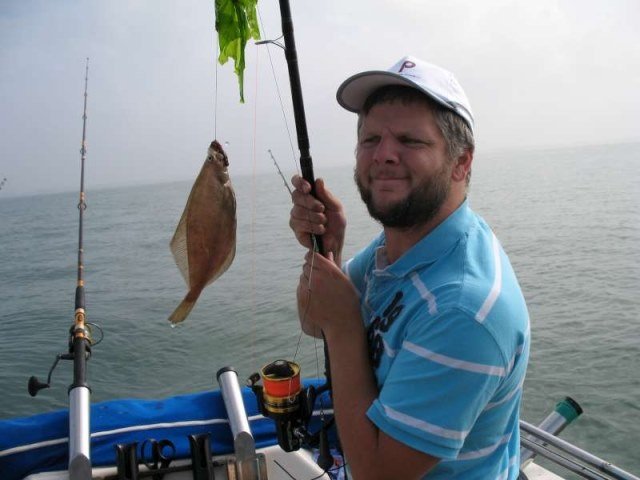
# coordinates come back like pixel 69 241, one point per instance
pixel 281 398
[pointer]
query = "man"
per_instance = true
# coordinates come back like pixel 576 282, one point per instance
pixel 426 327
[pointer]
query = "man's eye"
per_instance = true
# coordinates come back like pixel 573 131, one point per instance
pixel 412 141
pixel 369 140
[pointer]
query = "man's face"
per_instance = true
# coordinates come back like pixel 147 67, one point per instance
pixel 402 169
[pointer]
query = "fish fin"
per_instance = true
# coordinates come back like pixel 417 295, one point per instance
pixel 180 313
pixel 178 247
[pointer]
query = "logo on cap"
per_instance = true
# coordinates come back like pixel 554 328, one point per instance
pixel 406 64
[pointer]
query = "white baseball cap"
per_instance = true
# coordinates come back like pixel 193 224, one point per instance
pixel 430 79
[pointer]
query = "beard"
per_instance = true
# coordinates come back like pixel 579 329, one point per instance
pixel 419 207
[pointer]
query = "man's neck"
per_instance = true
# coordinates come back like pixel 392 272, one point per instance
pixel 399 240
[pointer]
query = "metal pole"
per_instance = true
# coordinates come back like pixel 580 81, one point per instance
pixel 243 442
pixel 565 412
pixel 582 455
pixel 568 463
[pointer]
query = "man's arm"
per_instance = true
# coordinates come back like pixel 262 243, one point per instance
pixel 370 452
pixel 332 304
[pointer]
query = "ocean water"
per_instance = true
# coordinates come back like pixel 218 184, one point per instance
pixel 567 217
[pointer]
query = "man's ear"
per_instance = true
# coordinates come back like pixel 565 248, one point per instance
pixel 462 166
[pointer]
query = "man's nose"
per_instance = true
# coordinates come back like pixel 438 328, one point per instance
pixel 387 150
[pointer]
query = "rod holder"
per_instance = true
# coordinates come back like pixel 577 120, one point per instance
pixel 566 411
pixel 243 442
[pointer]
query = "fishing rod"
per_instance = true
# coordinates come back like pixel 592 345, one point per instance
pixel 306 163
pixel 80 343
pixel 79 418
pixel 280 396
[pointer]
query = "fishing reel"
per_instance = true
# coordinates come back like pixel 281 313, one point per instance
pixel 86 333
pixel 281 398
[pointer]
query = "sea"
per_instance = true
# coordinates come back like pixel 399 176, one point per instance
pixel 567 217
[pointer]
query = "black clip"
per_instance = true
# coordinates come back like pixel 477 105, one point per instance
pixel 201 463
pixel 160 459
pixel 127 461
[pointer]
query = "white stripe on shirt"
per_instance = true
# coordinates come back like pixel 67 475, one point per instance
pixel 507 397
pixel 387 349
pixel 425 293
pixel 497 283
pixel 453 362
pixel 424 426
pixel 484 452
pixel 504 475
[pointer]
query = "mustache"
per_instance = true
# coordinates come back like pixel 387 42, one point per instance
pixel 384 174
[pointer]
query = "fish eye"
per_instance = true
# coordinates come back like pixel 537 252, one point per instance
pixel 210 158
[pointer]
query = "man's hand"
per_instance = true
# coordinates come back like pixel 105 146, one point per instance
pixel 319 216
pixel 327 300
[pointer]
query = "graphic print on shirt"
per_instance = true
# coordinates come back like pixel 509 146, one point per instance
pixel 381 324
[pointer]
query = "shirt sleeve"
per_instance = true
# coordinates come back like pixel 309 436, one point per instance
pixel 441 379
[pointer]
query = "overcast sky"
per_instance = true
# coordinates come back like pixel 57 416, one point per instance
pixel 538 73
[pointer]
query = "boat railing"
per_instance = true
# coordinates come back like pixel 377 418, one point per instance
pixel 569 456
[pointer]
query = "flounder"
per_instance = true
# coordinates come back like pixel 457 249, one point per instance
pixel 204 243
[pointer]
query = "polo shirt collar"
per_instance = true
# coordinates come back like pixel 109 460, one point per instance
pixel 430 248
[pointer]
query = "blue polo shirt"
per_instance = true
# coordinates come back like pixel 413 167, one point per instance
pixel 448 335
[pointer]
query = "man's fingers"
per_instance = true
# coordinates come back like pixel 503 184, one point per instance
pixel 303 228
pixel 329 200
pixel 304 223
pixel 301 195
pixel 301 214
pixel 306 201
pixel 300 184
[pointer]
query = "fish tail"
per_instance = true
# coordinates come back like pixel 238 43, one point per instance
pixel 180 313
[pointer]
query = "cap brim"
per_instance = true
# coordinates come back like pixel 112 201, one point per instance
pixel 355 90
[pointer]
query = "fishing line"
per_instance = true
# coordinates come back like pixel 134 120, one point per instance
pixel 304 316
pixel 305 166
pixel 275 79
pixel 315 247
pixel 293 156
pixel 215 95
pixel 254 324
pixel 313 252
pixel 328 471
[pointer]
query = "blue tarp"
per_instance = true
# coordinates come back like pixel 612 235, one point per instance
pixel 40 443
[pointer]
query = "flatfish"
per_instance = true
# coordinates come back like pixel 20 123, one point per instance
pixel 204 243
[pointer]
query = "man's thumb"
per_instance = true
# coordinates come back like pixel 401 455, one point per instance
pixel 326 197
